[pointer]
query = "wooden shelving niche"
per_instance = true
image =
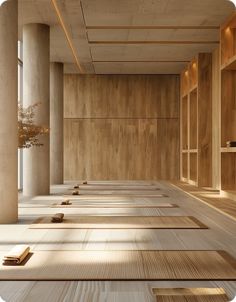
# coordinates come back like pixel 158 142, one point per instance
pixel 196 121
pixel 228 107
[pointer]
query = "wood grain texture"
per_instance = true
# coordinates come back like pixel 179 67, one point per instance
pixel 196 116
pixel 121 127
pixel 190 294
pixel 216 298
pixel 216 95
pixel 120 222
pixel 121 149
pixel 228 107
pixel 193 166
pixel 188 291
pixel 193 117
pixel 205 120
pixel 123 265
pixel 228 171
pixel 185 165
pixel 184 122
pixel 212 198
pixel 117 96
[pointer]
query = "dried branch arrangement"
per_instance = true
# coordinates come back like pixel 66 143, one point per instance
pixel 28 132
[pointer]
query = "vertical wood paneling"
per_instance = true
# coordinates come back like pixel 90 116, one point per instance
pixel 216 83
pixel 121 96
pixel 205 120
pixel 119 127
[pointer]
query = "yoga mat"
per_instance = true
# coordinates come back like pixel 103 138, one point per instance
pixel 117 192
pixel 190 294
pixel 117 183
pixel 113 196
pixel 120 222
pixel 124 265
pixel 112 205
pixel 112 187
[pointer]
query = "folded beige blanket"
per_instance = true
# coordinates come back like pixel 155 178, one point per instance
pixel 58 217
pixel 66 202
pixel 75 192
pixel 17 254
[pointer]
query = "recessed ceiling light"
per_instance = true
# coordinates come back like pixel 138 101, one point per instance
pixel 2 1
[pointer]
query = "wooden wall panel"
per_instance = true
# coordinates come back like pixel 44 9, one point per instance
pixel 121 96
pixel 205 120
pixel 121 149
pixel 216 94
pixel 111 131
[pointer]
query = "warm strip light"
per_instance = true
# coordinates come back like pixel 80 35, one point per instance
pixel 152 42
pixel 228 30
pixel 124 61
pixel 138 27
pixel 60 18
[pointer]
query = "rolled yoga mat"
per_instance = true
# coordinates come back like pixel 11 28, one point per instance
pixel 16 255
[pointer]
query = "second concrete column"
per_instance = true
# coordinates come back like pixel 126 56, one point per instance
pixel 36 174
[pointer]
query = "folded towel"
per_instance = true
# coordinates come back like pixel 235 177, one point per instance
pixel 85 182
pixel 16 255
pixel 75 192
pixel 66 202
pixel 76 187
pixel 57 218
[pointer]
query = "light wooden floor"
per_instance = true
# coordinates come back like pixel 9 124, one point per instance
pixel 213 198
pixel 221 235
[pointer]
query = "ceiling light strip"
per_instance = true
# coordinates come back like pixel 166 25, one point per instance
pixel 141 61
pixel 62 23
pixel 153 42
pixel 107 27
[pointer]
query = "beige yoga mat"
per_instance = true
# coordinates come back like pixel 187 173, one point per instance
pixel 124 265
pixel 121 187
pixel 190 294
pixel 121 222
pixel 113 205
pixel 116 192
pixel 113 196
pixel 118 183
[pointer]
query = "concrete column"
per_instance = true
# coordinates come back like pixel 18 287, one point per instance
pixel 36 173
pixel 56 123
pixel 8 112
